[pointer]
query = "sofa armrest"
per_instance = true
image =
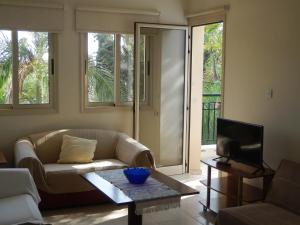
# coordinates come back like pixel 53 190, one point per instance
pixel 17 182
pixel 25 157
pixel 133 153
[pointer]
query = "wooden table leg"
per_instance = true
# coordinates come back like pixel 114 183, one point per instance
pixel 208 188
pixel 134 219
pixel 240 191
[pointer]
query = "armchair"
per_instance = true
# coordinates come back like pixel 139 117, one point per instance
pixel 281 205
pixel 19 198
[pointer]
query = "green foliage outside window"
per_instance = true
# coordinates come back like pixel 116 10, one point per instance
pixel 212 81
pixel 101 58
pixel 212 65
pixel 33 68
pixel 5 67
pixel 33 76
pixel 101 67
pixel 143 85
pixel 126 68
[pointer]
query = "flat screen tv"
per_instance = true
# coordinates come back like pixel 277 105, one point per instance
pixel 241 142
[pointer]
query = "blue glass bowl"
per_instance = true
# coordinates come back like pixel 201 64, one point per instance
pixel 137 175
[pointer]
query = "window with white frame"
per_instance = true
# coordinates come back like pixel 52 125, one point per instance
pixel 145 71
pixel 26 69
pixel 109 69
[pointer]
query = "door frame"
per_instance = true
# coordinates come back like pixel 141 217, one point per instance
pixel 205 18
pixel 177 169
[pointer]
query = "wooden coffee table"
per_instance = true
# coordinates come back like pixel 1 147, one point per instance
pixel 119 198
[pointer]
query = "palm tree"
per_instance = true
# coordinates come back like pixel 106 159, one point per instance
pixel 32 71
pixel 101 70
pixel 213 51
pixel 33 68
pixel 126 73
pixel 5 68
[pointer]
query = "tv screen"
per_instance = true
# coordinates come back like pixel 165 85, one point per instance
pixel 240 141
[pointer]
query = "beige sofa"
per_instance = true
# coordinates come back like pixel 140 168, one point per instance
pixel 282 204
pixel 19 198
pixel 40 152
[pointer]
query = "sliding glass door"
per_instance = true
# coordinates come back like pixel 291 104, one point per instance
pixel 161 93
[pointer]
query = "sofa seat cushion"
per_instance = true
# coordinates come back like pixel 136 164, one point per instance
pixel 257 214
pixel 65 178
pixel 103 164
pixel 18 210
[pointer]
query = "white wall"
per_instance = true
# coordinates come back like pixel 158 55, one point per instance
pixel 262 52
pixel 69 115
pixel 196 99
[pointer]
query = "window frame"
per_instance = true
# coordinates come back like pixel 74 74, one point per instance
pixel 84 63
pixel 148 82
pixel 218 15
pixel 15 107
pixel 86 105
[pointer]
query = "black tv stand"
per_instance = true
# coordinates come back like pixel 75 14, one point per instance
pixel 222 160
pixel 231 190
pixel 259 169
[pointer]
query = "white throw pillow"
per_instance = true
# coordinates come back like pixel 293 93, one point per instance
pixel 77 150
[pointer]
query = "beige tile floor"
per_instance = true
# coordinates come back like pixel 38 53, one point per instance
pixel 190 212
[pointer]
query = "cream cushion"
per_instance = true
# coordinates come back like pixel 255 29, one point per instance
pixel 77 150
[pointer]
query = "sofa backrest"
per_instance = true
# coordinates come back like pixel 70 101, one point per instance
pixel 48 144
pixel 285 187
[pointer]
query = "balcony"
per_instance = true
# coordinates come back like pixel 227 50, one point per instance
pixel 211 110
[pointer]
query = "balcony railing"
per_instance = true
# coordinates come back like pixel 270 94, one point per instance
pixel 211 110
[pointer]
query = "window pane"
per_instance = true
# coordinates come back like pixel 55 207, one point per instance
pixel 101 60
pixel 126 68
pixel 212 60
pixel 33 69
pixel 212 50
pixel 143 69
pixel 5 67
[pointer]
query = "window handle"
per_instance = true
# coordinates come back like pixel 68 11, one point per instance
pixel 148 68
pixel 52 66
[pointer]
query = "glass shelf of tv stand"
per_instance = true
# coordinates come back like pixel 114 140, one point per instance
pixel 226 186
pixel 217 201
pixel 231 190
pixel 238 169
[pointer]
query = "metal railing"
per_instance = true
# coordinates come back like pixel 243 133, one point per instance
pixel 211 110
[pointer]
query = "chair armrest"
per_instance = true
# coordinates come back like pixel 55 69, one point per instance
pixel 25 157
pixel 133 153
pixel 17 182
pixel 24 149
